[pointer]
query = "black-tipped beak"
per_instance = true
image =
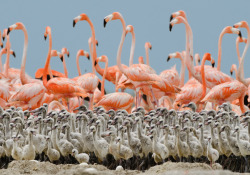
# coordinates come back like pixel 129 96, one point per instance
pixel 168 58
pixel 68 54
pixel 8 31
pixel 2 45
pixel 45 37
pixel 74 23
pixel 3 38
pixel 170 27
pixel 234 26
pixel 199 61
pixel 88 57
pixel 150 48
pixel 231 72
pixel 61 58
pixel 240 34
pixel 14 54
pixel 171 17
pixel 213 64
pixel 97 44
pixel 104 23
pixel 95 63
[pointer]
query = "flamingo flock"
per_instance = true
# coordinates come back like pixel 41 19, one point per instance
pixel 203 120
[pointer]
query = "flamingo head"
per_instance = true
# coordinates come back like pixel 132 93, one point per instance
pixel 174 55
pixel 148 45
pixel 16 26
pixel 178 13
pixel 233 67
pixel 47 31
pixel 81 17
pixel 129 29
pixel 65 51
pixel 212 62
pixel 232 30
pixel 242 24
pixel 177 20
pixel 102 58
pixel 197 56
pixel 81 52
pixel 113 16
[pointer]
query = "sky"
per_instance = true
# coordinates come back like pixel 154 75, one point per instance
pixel 151 24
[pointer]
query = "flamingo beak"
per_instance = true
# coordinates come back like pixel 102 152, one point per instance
pixel 3 38
pixel 171 17
pixel 240 35
pixel 68 54
pixel 45 37
pixel 213 64
pixel 1 45
pixel 231 72
pixel 8 31
pixel 74 23
pixel 14 54
pixel 168 58
pixel 61 58
pixel 104 23
pixel 88 57
pixel 170 27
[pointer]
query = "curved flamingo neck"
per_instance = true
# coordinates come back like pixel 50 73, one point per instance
pixel 147 55
pixel 132 50
pixel 182 71
pixel 1 65
pixel 204 88
pixel 241 65
pixel 23 78
pixel 237 49
pixel 93 41
pixel 103 78
pixel 219 49
pixel 7 61
pixel 77 64
pixel 119 52
pixel 188 59
pixel 45 70
pixel 65 67
pixel 234 68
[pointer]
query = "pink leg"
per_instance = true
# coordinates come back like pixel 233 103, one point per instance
pixel 155 100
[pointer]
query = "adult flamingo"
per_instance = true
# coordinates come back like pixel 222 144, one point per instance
pixel 64 51
pixel 141 75
pixel 213 76
pixel 194 92
pixel 89 82
pixel 60 87
pixel 31 93
pixel 116 100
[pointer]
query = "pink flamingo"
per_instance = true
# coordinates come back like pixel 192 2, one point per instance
pixel 213 76
pixel 116 100
pixel 194 92
pixel 64 51
pixel 60 87
pixel 89 82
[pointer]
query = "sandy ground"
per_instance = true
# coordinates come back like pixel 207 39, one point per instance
pixel 46 168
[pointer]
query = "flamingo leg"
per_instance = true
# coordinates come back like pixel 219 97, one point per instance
pixel 137 96
pixel 91 98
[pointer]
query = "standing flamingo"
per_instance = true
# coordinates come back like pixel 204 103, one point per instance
pixel 213 76
pixel 116 100
pixel 60 87
pixel 194 92
pixel 89 82
pixel 141 75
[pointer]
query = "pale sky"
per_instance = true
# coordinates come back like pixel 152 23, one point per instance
pixel 149 18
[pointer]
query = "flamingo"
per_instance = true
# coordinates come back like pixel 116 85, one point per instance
pixel 140 75
pixel 116 100
pixel 64 51
pixel 213 76
pixel 89 82
pixel 60 87
pixel 31 93
pixel 194 92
